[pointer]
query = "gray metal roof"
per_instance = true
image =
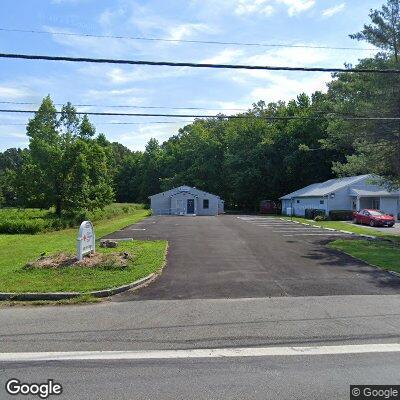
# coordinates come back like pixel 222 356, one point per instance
pixel 374 192
pixel 183 188
pixel 324 188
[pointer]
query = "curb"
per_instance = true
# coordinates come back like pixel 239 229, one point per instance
pixel 335 230
pixel 394 273
pixel 70 295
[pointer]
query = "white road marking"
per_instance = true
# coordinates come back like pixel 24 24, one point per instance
pixel 315 234
pixel 301 231
pixel 137 229
pixel 275 224
pixel 202 353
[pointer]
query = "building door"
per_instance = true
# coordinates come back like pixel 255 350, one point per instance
pixel 179 207
pixel 190 206
pixel 376 204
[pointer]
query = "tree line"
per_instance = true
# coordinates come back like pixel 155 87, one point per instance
pixel 244 160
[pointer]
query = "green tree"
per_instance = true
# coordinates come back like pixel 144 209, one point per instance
pixel 65 167
pixel 376 143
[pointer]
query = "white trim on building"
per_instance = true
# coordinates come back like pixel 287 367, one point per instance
pixel 186 200
pixel 350 193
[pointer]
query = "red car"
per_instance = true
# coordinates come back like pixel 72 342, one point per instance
pixel 373 218
pixel 268 207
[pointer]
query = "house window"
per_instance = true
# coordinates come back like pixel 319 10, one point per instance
pixel 321 202
pixel 206 203
pixel 298 201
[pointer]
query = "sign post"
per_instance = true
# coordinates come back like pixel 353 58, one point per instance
pixel 86 240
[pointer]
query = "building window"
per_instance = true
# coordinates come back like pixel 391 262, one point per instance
pixel 206 203
pixel 321 202
pixel 298 201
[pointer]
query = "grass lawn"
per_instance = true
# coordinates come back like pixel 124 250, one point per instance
pixel 382 254
pixel 340 225
pixel 17 250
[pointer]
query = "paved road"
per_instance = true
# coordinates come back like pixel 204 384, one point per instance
pixel 185 324
pixel 212 263
pixel 243 257
pixel 218 323
pixel 280 378
pixel 394 230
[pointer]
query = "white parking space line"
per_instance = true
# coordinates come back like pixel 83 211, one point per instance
pixel 271 224
pixel 202 353
pixel 301 231
pixel 315 234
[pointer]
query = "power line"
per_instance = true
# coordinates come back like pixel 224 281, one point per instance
pixel 127 106
pixel 157 39
pixel 114 123
pixel 221 116
pixel 193 65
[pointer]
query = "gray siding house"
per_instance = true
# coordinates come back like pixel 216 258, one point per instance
pixel 350 193
pixel 185 200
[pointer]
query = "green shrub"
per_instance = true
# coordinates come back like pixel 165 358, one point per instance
pixel 31 221
pixel 18 226
pixel 341 215
pixel 311 213
pixel 321 218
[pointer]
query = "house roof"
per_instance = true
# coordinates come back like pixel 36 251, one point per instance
pixel 373 192
pixel 324 188
pixel 184 189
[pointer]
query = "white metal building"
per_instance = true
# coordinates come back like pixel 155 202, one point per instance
pixel 350 193
pixel 185 200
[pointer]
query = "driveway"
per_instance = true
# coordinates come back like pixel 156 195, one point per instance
pixel 394 230
pixel 249 257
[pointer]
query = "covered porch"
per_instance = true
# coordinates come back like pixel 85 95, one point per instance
pixel 377 200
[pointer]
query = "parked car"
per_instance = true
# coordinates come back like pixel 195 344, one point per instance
pixel 269 207
pixel 373 218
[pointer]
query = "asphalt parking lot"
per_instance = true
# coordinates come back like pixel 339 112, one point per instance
pixel 394 230
pixel 247 257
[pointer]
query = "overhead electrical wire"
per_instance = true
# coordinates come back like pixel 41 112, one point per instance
pixel 194 65
pixel 113 123
pixel 128 106
pixel 220 116
pixel 158 39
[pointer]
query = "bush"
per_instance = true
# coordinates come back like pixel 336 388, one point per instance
pixel 31 221
pixel 312 213
pixel 321 218
pixel 341 215
pixel 18 226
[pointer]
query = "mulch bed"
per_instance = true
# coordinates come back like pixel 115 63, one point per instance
pixel 96 260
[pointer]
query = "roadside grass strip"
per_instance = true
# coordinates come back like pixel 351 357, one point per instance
pixel 382 254
pixel 17 250
pixel 202 353
pixel 347 227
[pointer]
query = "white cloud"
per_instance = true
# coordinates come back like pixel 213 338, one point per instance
pixel 109 16
pixel 14 93
pixel 245 7
pixel 106 93
pixel 151 23
pixel 281 87
pixel 67 1
pixel 266 7
pixel 297 6
pixel 223 57
pixel 276 57
pixel 329 12
pixel 137 138
pixel 273 85
pixel 182 31
pixel 94 45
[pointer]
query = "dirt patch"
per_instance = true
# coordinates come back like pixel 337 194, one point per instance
pixel 96 260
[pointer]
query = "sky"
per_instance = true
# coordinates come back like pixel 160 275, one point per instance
pixel 287 22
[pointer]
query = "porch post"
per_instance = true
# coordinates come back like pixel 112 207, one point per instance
pixel 358 203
